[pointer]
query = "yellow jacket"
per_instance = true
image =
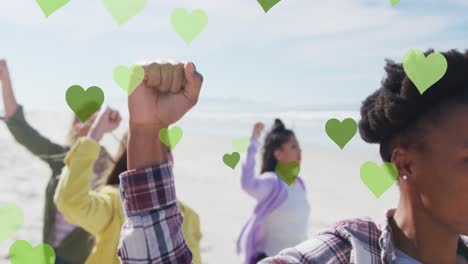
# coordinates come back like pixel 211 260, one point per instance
pixel 100 212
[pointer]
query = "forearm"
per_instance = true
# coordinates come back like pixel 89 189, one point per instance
pixel 92 210
pixel 9 100
pixel 31 139
pixel 149 197
pixel 96 133
pixel 73 187
pixel 248 168
pixel 144 147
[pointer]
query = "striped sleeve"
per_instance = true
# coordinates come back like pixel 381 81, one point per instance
pixel 152 232
pixel 322 249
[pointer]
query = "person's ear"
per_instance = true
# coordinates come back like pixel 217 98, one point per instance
pixel 278 154
pixel 400 158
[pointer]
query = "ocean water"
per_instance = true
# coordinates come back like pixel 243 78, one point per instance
pixel 309 126
pixel 234 118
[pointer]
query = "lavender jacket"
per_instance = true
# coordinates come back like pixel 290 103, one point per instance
pixel 270 192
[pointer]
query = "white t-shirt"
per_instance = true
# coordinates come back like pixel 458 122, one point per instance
pixel 287 225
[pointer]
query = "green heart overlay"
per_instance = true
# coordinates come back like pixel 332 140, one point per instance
pixel 189 25
pixel 268 4
pixel 341 132
pixel 288 172
pixel 170 137
pixel 84 103
pixel 394 2
pixel 241 144
pixel 48 7
pixel 129 79
pixel 21 252
pixel 422 71
pixel 124 10
pixel 378 179
pixel 11 219
pixel 231 160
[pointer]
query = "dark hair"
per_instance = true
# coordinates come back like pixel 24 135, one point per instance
pixel 119 166
pixel 397 113
pixel 274 140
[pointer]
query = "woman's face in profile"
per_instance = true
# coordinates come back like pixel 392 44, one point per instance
pixel 440 172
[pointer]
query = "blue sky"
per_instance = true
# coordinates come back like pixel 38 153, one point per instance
pixel 302 54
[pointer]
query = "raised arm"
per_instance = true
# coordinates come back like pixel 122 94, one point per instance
pixel 255 186
pixel 24 134
pixel 9 99
pixel 153 229
pixel 92 210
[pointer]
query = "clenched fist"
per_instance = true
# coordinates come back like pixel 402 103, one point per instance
pixel 257 130
pixel 106 121
pixel 165 77
pixel 167 93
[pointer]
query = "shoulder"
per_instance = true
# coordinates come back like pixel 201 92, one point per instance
pixel 363 232
pixel 113 194
pixel 269 179
pixel 326 247
pixel 356 226
pixel 269 175
pixel 333 245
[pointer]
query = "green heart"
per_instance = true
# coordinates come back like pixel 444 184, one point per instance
pixel 123 10
pixel 11 219
pixel 231 160
pixel 268 4
pixel 378 179
pixel 21 252
pixel 189 25
pixel 129 79
pixel 341 132
pixel 84 103
pixel 170 137
pixel 394 2
pixel 48 7
pixel 288 172
pixel 422 71
pixel 241 144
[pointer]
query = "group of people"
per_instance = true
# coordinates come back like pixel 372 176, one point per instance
pixel 125 210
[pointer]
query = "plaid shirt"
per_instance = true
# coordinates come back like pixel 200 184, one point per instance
pixel 351 241
pixel 153 230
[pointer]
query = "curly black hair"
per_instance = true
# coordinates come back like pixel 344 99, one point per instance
pixel 397 114
pixel 276 137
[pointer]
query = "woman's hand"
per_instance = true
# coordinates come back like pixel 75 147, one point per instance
pixel 107 121
pixel 9 100
pixel 159 100
pixel 4 75
pixel 257 130
pixel 157 103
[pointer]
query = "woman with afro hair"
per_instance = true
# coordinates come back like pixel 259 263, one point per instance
pixel 426 137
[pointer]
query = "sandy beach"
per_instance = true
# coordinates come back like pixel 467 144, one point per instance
pixel 335 190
